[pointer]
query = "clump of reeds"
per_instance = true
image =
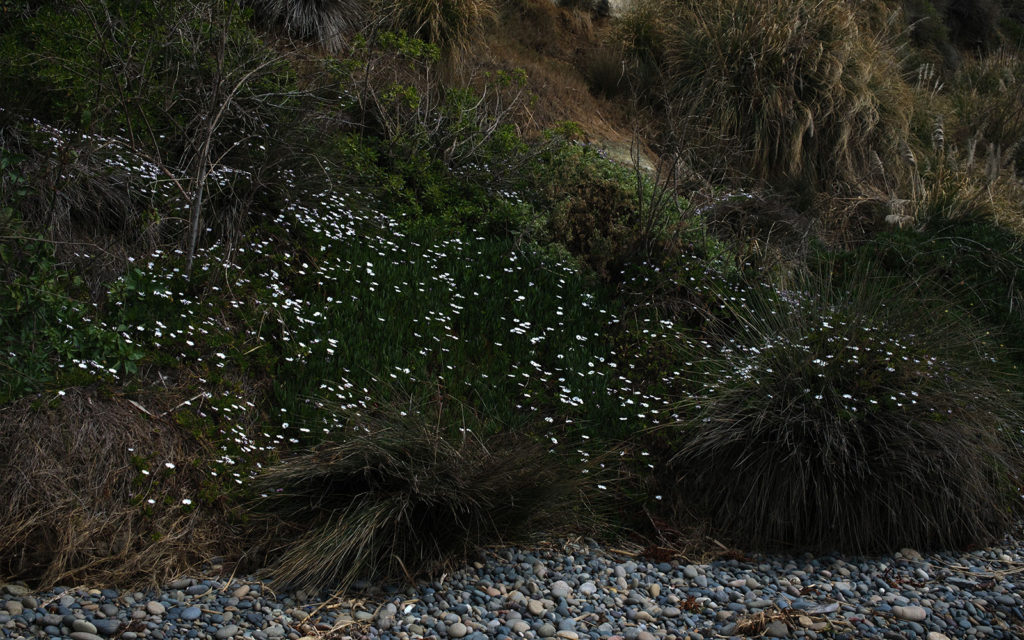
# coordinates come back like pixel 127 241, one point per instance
pixel 797 84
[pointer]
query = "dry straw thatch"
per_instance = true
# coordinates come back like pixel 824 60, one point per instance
pixel 74 507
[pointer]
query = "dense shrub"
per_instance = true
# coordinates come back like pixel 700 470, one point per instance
pixel 603 213
pixel 973 23
pixel 857 419
pixel 189 90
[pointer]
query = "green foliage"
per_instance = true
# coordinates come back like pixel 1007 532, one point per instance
pixel 861 418
pixel 928 29
pixel 603 213
pixel 150 71
pixel 47 334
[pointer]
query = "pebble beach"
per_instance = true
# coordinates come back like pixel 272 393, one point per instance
pixel 572 590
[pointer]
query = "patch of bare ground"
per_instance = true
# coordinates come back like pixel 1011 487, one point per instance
pixel 552 45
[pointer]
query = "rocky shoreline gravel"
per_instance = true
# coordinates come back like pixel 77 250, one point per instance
pixel 576 591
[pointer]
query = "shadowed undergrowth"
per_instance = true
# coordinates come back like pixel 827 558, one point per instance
pixel 280 239
pixel 856 418
pixel 398 497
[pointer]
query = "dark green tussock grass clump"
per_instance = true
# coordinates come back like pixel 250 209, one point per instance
pixel 972 262
pixel 855 419
pixel 326 23
pixel 401 495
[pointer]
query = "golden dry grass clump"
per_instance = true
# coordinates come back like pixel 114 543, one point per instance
pixel 76 503
pixel 798 86
pixel 454 26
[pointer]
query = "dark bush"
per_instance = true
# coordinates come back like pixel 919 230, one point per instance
pixel 326 23
pixel 859 419
pixel 402 496
pixel 973 23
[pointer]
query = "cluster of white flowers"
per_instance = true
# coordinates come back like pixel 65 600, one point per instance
pixel 471 312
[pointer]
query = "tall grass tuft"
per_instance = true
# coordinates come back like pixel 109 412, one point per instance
pixel 401 496
pixel 799 83
pixel 327 23
pixel 853 419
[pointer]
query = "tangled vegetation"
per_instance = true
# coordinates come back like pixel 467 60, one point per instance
pixel 354 303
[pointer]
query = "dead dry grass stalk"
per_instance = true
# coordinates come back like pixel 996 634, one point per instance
pixel 74 508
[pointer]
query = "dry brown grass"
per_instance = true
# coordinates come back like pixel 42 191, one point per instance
pixel 798 84
pixel 552 44
pixel 74 505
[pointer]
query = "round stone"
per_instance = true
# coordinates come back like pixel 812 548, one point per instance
pixel 911 613
pixel 535 607
pixel 154 608
pixel 560 589
pixel 191 613
pixel 457 630
pixel 107 626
